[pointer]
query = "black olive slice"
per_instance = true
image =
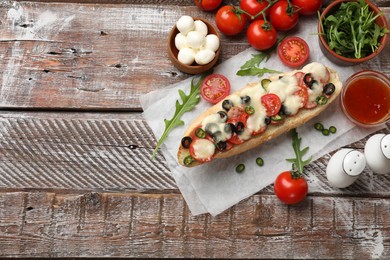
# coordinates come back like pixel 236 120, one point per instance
pixel 223 115
pixel 329 89
pixel 186 141
pixel 227 104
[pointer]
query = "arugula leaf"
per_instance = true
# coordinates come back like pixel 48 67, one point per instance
pixel 351 31
pixel 256 60
pixel 188 103
pixel 251 66
pixel 298 162
pixel 254 71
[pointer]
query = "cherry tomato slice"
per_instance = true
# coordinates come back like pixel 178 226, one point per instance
pixel 272 104
pixel 293 51
pixel 214 88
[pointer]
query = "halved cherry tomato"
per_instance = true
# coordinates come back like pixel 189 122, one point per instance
pixel 272 104
pixel 214 88
pixel 235 139
pixel 302 91
pixel 208 5
pixel 293 51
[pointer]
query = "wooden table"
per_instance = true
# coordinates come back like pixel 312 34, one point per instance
pixel 75 174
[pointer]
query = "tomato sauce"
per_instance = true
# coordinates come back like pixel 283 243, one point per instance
pixel 367 100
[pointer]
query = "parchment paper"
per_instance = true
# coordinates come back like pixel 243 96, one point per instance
pixel 216 186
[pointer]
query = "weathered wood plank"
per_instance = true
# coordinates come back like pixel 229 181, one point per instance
pixel 136 225
pixel 111 151
pixel 58 58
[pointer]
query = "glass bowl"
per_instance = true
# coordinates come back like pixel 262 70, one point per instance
pixel 365 98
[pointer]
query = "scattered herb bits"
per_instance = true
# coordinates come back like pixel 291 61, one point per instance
pixel 259 161
pixel 325 131
pixel 332 129
pixel 240 168
pixel 318 126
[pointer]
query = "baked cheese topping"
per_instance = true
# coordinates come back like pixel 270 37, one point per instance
pixel 245 113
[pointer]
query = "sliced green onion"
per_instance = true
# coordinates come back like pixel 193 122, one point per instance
pixel 188 160
pixel 325 132
pixel 240 168
pixel 321 100
pixel 318 126
pixel 249 110
pixel 259 161
pixel 199 132
pixel 332 129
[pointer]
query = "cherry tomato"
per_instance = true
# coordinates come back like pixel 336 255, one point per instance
pixel 208 5
pixel 308 7
pixel 214 88
pixel 293 51
pixel 272 104
pixel 229 20
pixel 261 35
pixel 254 7
pixel 290 190
pixel 283 16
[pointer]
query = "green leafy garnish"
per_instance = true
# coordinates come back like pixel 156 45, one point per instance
pixel 254 71
pixel 256 60
pixel 188 103
pixel 251 66
pixel 351 31
pixel 298 162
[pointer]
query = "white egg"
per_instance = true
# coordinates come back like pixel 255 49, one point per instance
pixel 186 56
pixel 185 24
pixel 377 152
pixel 211 42
pixel 345 167
pixel 203 57
pixel 201 27
pixel 181 41
pixel 195 39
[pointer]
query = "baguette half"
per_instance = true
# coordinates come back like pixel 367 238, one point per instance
pixel 271 132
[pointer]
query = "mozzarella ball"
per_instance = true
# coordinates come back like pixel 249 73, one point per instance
pixel 185 24
pixel 211 42
pixel 186 56
pixel 195 39
pixel 181 41
pixel 201 27
pixel 204 56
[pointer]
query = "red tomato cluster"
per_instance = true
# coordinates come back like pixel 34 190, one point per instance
pixel 266 18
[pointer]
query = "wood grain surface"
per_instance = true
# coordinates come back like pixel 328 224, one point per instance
pixel 75 172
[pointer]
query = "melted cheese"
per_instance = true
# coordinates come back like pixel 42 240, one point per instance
pixel 284 87
pixel 256 121
pixel 203 149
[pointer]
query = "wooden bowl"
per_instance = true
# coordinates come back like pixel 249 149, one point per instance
pixel 193 68
pixel 341 60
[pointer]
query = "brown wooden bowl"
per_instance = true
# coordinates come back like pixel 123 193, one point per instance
pixel 193 68
pixel 341 60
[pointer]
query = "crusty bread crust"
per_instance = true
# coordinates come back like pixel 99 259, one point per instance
pixel 272 131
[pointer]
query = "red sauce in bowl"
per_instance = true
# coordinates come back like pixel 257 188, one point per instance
pixel 366 98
